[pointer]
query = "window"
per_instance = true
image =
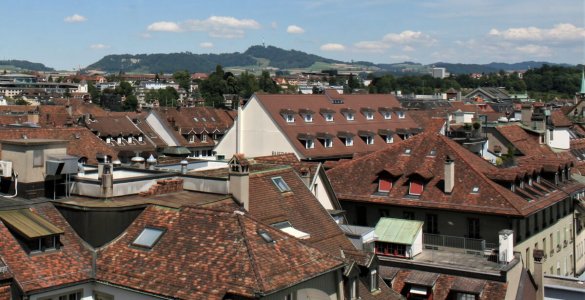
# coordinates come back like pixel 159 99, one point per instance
pixel 384 185
pixel 389 139
pixel 407 151
pixel 369 115
pixel 130 140
pixel 384 213
pixel 148 237
pixel 349 141
pixel 289 297
pixel 473 228
pixel 369 140
pixel 108 140
pixel 195 119
pixel 77 295
pixel 465 296
pixel 328 143
pixel 38 158
pixel 204 138
pixel 119 140
pixel 475 190
pixel 280 184
pixel 416 187
pixel 309 144
pixel 308 117
pixel 431 224
pixel 191 138
pixel 349 116
pixel 387 115
pixel 140 138
pixel 289 118
pixel 401 115
pixel 373 280
pixel 329 117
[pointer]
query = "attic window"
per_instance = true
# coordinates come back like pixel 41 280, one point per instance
pixel 308 118
pixel 475 190
pixel 433 152
pixel 349 116
pixel 337 101
pixel 148 237
pixel 384 184
pixel 328 117
pixel 204 120
pixel 407 151
pixel 401 115
pixel 265 236
pixel 290 118
pixel 195 119
pixel 280 184
pixel 213 119
pixel 387 115
pixel 36 233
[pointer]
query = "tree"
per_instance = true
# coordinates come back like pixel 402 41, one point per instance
pixel 124 89
pixel 248 84
pixel 183 78
pixel 131 103
pixel 267 84
pixel 93 92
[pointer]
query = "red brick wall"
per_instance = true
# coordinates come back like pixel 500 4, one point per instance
pixel 164 186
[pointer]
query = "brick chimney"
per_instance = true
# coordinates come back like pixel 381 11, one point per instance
pixel 449 175
pixel 239 180
pixel 538 274
pixel 526 113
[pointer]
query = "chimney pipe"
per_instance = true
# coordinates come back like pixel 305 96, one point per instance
pixel 449 175
pixel 538 274
pixel 184 165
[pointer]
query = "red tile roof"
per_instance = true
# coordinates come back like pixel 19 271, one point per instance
pixel 559 119
pixel 274 105
pixel 82 142
pixel 226 256
pixel 67 265
pixel 54 116
pixel 356 180
pixel 298 206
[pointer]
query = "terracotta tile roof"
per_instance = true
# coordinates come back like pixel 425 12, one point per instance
pixel 290 159
pixel 69 264
pixel 443 286
pixel 471 107
pixel 430 119
pixel 274 105
pixel 80 107
pixel 54 116
pixel 559 119
pixel 298 206
pixel 226 256
pixel 113 126
pixel 356 180
pixel 82 142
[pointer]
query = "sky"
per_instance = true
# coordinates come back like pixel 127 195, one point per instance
pixel 69 34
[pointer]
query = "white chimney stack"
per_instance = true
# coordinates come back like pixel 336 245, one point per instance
pixel 506 239
pixel 449 175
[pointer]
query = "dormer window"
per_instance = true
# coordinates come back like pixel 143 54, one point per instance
pixel 348 113
pixel 307 115
pixel 416 187
pixel 327 143
pixel 308 118
pixel 204 138
pixel 387 115
pixel 368 113
pixel 401 114
pixel 191 138
pixel 290 118
pixel 307 140
pixel 309 144
pixel 346 137
pixel 288 115
pixel 349 141
pixel 389 139
pixel 367 136
pixel 328 117
pixel 119 140
pixel 140 138
pixel 130 139
pixel 108 140
pixel 35 233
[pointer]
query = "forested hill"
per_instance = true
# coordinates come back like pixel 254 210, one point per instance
pixel 23 65
pixel 168 63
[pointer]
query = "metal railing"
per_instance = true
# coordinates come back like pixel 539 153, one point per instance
pixel 468 244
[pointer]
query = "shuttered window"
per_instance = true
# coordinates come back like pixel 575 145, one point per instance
pixel 416 187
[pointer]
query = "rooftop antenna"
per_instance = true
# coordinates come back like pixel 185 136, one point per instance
pixel 263 44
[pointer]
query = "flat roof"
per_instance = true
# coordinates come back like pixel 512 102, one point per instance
pixel 118 174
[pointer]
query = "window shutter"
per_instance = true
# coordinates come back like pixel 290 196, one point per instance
pixel 384 185
pixel 416 187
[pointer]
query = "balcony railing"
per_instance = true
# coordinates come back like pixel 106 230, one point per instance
pixel 467 244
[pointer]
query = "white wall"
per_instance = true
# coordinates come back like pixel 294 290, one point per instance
pixel 88 292
pixel 260 134
pixel 561 139
pixel 159 128
pixel 318 189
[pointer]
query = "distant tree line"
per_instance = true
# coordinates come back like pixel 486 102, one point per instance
pixel 546 82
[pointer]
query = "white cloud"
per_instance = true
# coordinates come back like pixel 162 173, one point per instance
pixel 294 29
pixel 164 26
pixel 560 33
pixel 371 46
pixel 206 45
pixel 400 57
pixel 274 25
pixel 99 46
pixel 408 49
pixel 535 50
pixel 215 26
pixel 145 35
pixel 408 37
pixel 75 19
pixel 332 47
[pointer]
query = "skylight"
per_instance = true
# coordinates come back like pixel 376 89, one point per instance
pixel 265 236
pixel 280 184
pixel 407 151
pixel 475 190
pixel 148 237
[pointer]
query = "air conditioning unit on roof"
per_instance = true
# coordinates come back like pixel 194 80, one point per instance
pixel 5 168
